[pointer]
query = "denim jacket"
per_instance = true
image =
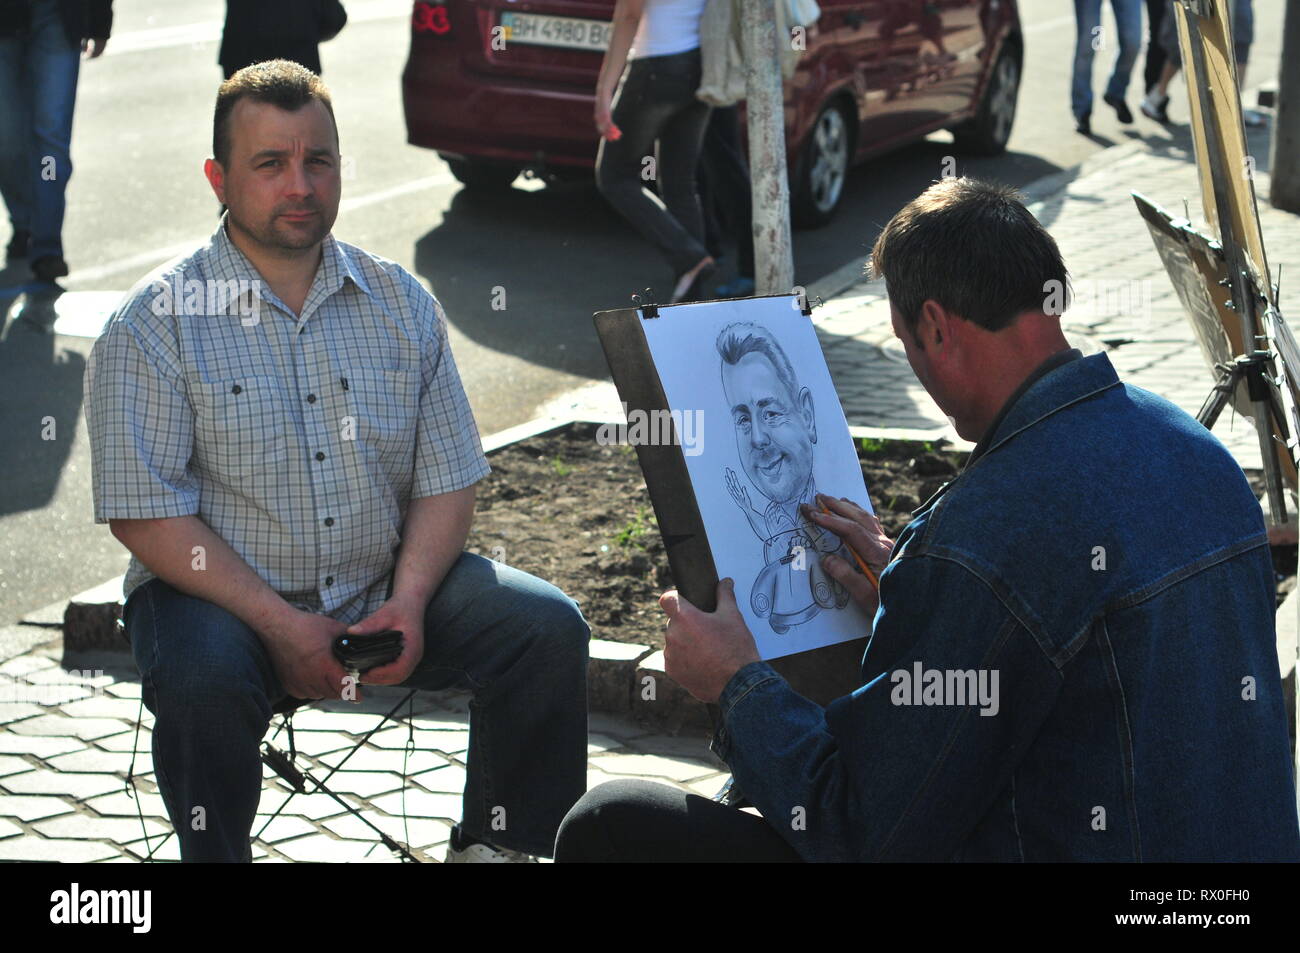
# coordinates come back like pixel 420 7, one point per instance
pixel 1102 571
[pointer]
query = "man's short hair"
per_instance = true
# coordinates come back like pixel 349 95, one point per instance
pixel 742 337
pixel 974 248
pixel 280 83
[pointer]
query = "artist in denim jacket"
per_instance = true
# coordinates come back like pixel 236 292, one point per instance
pixel 1099 571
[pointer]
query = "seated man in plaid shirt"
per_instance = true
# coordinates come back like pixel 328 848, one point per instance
pixel 280 438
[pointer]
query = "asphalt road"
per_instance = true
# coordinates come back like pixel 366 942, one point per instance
pixel 137 197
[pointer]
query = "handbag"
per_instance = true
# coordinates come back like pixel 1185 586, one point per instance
pixel 330 19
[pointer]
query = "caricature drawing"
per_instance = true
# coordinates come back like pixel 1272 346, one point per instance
pixel 776 430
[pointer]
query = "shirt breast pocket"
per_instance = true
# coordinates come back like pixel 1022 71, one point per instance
pixel 239 427
pixel 385 405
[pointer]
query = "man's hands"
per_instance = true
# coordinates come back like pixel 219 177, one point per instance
pixel 301 646
pixel 406 615
pixel 704 649
pixel 860 530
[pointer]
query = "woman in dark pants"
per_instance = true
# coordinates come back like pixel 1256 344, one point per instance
pixel 655 105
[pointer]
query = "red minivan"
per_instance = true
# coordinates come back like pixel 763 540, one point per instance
pixel 875 75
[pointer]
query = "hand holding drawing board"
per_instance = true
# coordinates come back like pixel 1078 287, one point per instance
pixel 756 430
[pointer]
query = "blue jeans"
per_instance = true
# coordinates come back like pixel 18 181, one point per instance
pixel 38 89
pixel 1087 16
pixel 518 643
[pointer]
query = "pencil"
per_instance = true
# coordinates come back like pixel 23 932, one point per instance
pixel 866 570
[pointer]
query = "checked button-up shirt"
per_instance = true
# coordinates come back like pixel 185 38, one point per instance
pixel 299 439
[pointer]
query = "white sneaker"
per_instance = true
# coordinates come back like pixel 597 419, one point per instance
pixel 487 854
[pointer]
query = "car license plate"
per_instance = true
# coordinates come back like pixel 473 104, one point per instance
pixel 568 32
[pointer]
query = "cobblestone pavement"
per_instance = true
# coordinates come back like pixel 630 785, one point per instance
pixel 66 741
pixel 1124 301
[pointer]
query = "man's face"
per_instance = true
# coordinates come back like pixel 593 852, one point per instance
pixel 919 360
pixel 282 182
pixel 774 428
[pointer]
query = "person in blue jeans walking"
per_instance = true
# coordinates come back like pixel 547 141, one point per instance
pixel 1090 38
pixel 280 437
pixel 41 42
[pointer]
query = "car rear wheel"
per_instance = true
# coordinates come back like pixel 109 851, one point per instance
pixel 483 175
pixel 823 167
pixel 987 133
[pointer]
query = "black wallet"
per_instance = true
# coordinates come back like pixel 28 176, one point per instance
pixel 360 653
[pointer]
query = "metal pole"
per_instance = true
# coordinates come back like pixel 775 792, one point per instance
pixel 765 115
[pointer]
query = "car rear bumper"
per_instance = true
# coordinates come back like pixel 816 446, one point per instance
pixel 489 117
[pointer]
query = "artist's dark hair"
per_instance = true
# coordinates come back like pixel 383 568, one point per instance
pixel 741 338
pixel 280 83
pixel 974 248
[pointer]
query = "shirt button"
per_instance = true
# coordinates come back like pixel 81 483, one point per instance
pixel 311 398
pixel 320 455
pixel 236 389
pixel 329 580
pixel 329 521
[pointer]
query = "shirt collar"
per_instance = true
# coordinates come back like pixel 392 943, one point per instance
pixel 230 266
pixel 1042 370
pixel 1065 378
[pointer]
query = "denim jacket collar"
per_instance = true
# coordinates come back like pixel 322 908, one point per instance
pixel 1064 385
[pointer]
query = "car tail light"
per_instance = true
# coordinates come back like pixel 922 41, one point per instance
pixel 431 18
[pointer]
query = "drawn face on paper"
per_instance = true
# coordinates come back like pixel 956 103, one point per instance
pixel 775 429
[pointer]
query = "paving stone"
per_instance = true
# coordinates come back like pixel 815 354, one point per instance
pixel 322 849
pixel 365 784
pixel 13 764
pixel 124 689
pixel 314 806
pixel 70 784
pixel 448 780
pixel 95 761
pixel 26 665
pixel 32 807
pixel 421 804
pixel 450 742
pixel 104 706
pixel 11 710
pixel 282 828
pixel 615 726
pixel 424 832
pixel 164 851
pixel 33 848
pixel 87 729
pixel 9 828
pixel 315 743
pixel 675 769
pixel 58 675
pixel 385 759
pixel 124 740
pixel 85 827
pixel 121 804
pixel 357 723
pixel 597 742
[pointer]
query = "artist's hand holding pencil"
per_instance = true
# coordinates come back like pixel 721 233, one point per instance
pixel 869 547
